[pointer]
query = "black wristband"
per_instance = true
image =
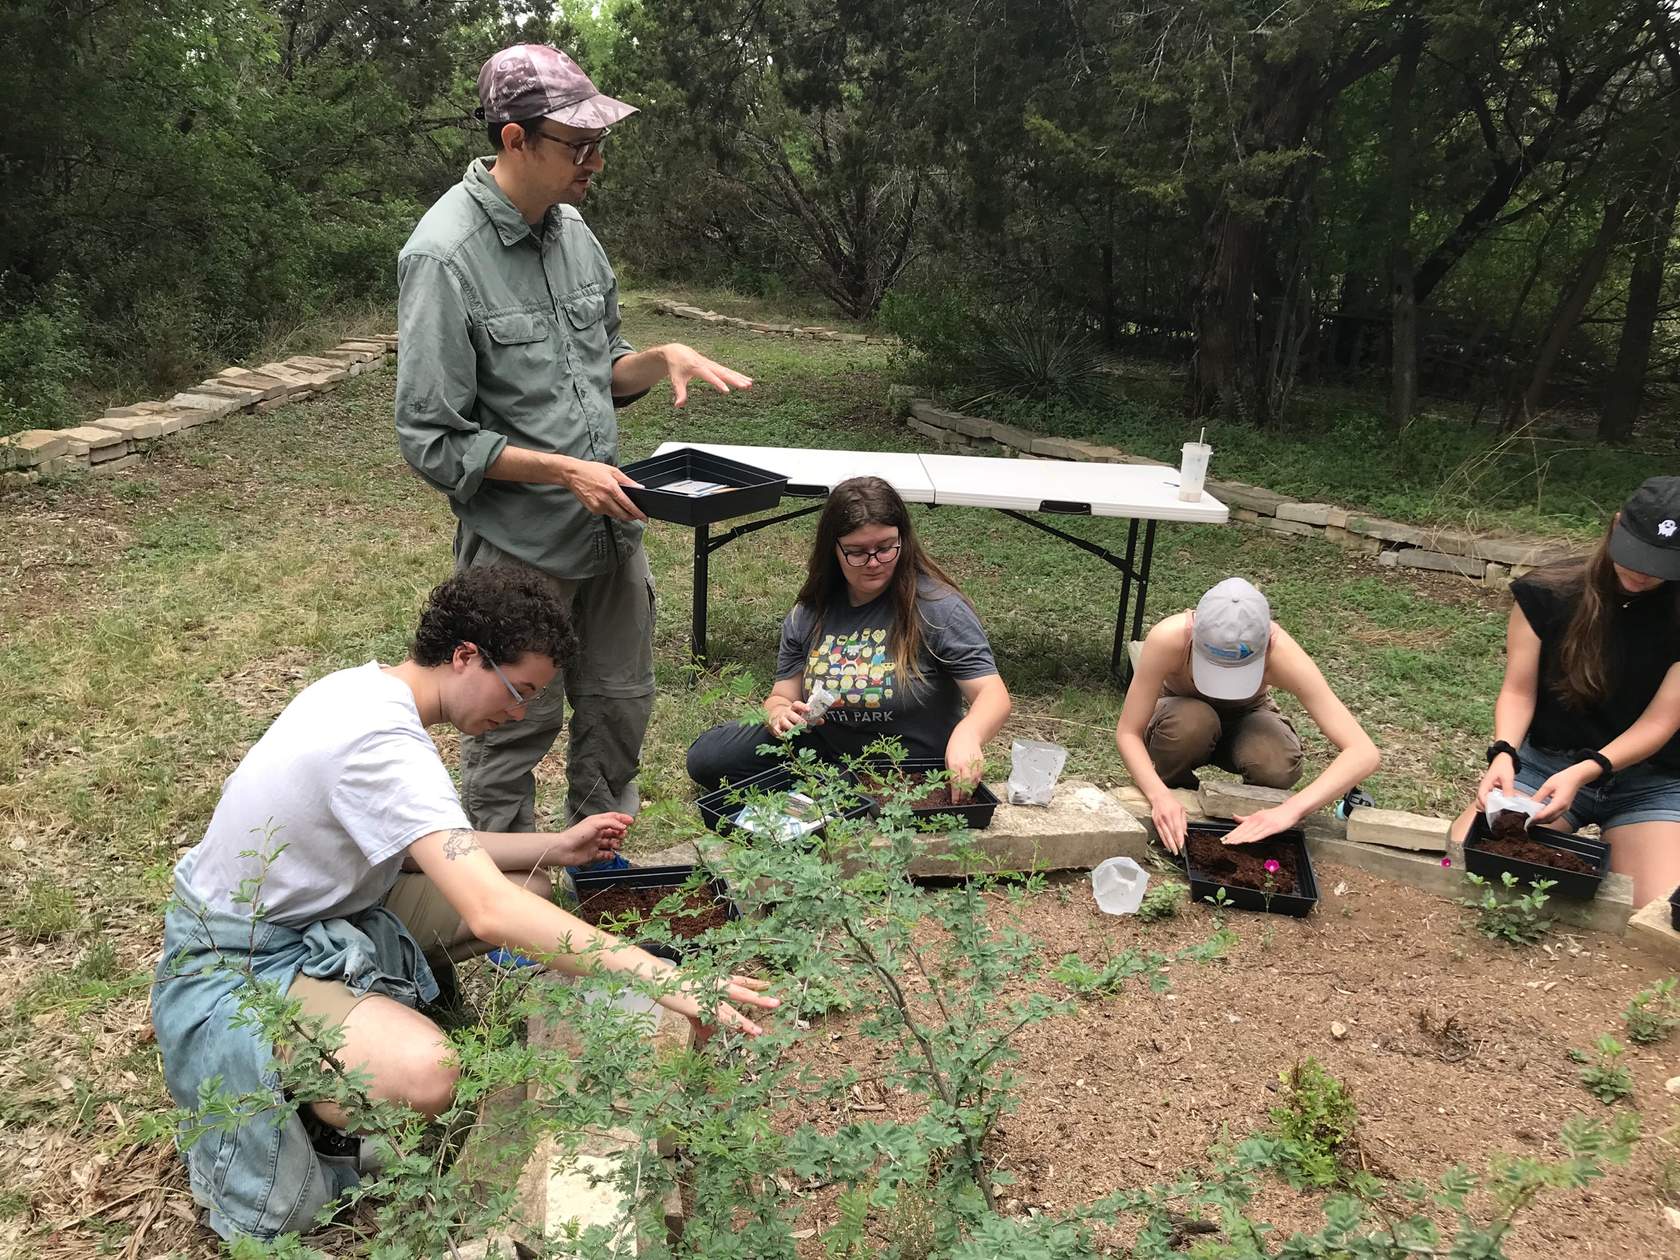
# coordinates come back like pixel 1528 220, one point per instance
pixel 1592 754
pixel 1500 746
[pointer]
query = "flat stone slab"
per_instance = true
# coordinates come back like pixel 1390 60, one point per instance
pixel 32 447
pixel 1081 827
pixel 1398 830
pixel 1310 513
pixel 1652 931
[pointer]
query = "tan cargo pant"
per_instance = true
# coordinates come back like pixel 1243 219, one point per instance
pixel 609 688
pixel 1258 743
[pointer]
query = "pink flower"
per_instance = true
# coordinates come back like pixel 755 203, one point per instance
pixel 1446 861
pixel 1272 867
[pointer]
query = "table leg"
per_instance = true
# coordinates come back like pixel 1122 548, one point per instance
pixel 1143 580
pixel 1120 663
pixel 702 575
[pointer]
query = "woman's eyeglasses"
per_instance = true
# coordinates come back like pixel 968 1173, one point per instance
pixel 859 557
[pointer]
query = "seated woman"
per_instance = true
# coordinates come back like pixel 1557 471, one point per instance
pixel 881 627
pixel 1586 719
pixel 1202 695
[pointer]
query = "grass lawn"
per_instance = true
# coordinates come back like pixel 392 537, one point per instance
pixel 151 625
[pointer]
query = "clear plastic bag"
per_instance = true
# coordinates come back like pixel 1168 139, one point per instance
pixel 1034 767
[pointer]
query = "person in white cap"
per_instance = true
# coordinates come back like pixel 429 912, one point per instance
pixel 1201 695
pixel 511 370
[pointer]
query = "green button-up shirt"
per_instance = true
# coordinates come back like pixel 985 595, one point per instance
pixel 509 333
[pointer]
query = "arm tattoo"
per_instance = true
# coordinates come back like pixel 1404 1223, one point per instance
pixel 458 842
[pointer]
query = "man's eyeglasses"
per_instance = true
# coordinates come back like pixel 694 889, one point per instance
pixel 859 558
pixel 520 700
pixel 582 150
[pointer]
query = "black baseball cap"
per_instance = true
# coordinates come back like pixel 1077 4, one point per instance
pixel 1647 537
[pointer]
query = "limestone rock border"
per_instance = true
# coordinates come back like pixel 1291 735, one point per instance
pixel 1492 561
pixel 682 310
pixel 117 439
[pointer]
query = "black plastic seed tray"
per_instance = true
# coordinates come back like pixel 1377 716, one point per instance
pixel 719 808
pixel 694 487
pixel 590 883
pixel 1576 884
pixel 1204 884
pixel 974 813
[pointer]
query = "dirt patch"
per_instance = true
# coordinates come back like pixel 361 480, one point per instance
pixel 1455 1049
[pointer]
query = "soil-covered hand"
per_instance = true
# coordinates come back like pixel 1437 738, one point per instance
pixel 789 718
pixel 1499 777
pixel 599 488
pixel 965 760
pixel 741 990
pixel 592 840
pixel 1170 819
pixel 1262 823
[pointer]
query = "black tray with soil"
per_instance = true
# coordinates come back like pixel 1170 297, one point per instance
pixel 1240 869
pixel 1576 863
pixel 694 487
pixel 606 895
pixel 877 776
pixel 719 808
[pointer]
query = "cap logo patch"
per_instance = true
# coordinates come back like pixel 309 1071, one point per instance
pixel 1241 652
pixel 1666 529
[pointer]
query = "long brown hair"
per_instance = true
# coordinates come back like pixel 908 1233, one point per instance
pixel 1584 663
pixel 851 505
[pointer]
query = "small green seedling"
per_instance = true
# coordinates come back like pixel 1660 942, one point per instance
pixel 1604 1076
pixel 1514 918
pixel 1654 1012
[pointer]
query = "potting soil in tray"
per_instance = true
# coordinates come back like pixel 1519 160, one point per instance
pixel 914 780
pixel 703 909
pixel 1526 849
pixel 1244 865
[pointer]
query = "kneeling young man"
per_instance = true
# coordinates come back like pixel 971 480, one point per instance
pixel 1201 695
pixel 298 884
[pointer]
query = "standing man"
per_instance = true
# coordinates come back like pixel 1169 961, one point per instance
pixel 512 365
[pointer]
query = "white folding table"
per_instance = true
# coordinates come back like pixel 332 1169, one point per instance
pixel 1019 488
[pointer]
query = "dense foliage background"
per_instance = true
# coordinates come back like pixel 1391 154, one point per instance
pixel 1472 200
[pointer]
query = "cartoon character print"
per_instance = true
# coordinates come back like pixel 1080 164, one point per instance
pixel 855 668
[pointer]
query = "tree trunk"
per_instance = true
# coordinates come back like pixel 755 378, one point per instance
pixel 1227 368
pixel 1403 378
pixel 1570 307
pixel 1626 388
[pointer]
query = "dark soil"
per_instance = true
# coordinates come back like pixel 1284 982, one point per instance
pixel 1509 824
pixel 1244 865
pixel 703 910
pixel 1526 849
pixel 933 798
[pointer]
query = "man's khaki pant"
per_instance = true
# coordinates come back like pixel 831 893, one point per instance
pixel 1258 743
pixel 609 688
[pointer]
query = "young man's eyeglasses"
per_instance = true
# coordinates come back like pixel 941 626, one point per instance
pixel 520 700
pixel 582 150
pixel 859 557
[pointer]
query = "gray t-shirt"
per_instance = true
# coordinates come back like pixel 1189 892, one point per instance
pixel 852 659
pixel 346 779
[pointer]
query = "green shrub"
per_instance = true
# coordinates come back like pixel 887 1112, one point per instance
pixel 1604 1075
pixel 1510 917
pixel 1314 1125
pixel 1654 1012
pixel 1161 902
pixel 1041 359
pixel 40 355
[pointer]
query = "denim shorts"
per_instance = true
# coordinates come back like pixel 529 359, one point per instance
pixel 1638 794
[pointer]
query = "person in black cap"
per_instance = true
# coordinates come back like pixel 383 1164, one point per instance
pixel 1587 719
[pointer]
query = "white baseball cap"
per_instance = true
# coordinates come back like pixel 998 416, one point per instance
pixel 1228 641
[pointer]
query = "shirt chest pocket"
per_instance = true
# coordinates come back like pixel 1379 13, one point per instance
pixel 586 321
pixel 520 343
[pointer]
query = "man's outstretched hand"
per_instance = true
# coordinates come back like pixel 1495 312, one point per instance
pixel 684 364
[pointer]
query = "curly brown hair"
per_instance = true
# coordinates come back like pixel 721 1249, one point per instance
pixel 503 611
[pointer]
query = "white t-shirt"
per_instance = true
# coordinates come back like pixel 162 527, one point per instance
pixel 346 779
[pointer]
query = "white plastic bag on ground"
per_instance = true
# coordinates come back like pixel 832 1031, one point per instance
pixel 1034 767
pixel 1118 885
